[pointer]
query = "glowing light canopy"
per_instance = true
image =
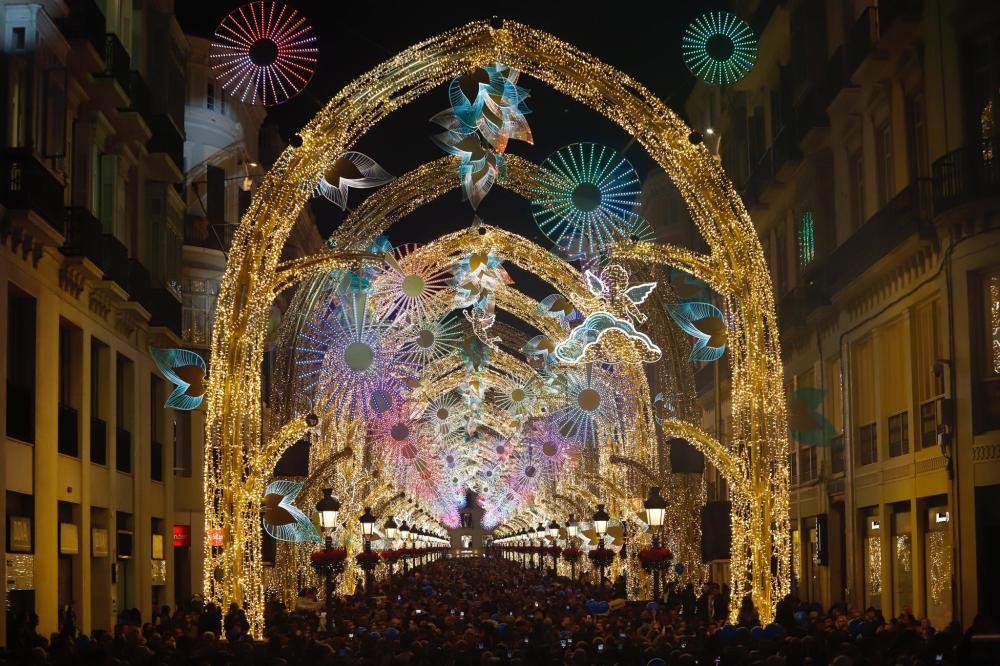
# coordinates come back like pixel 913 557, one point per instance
pixel 719 48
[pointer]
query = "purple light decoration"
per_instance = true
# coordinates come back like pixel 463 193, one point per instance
pixel 263 52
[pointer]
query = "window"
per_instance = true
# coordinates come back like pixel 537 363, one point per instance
pixel 198 314
pixel 991 292
pixel 807 239
pixel 124 386
pixel 222 100
pixel 808 469
pixel 928 424
pixel 156 414
pixel 210 96
pixel 69 419
pixel 793 468
pixel 182 443
pixel 781 250
pixel 20 365
pixel 988 359
pixel 18 36
pixel 899 434
pixel 868 444
pixel 98 380
pixel 886 176
pixel 857 166
pixel 837 454
pixel 917 136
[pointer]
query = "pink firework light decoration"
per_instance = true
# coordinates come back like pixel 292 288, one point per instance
pixel 264 52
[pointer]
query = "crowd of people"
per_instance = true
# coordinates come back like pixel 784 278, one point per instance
pixel 485 611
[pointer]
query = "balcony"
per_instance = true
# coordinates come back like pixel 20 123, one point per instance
pixel 967 174
pixel 138 281
pixel 98 441
pixel 69 431
pixel 84 24
pixel 861 40
pixel 811 109
pixel 28 185
pixel 110 89
pixel 771 168
pixel 131 121
pixel 165 309
pixel 873 27
pixel 114 260
pixel 166 148
pixel 808 295
pixel 83 235
pixel 907 215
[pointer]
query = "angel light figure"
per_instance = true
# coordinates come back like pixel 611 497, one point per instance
pixel 610 336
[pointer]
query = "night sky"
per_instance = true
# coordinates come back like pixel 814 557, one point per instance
pixel 354 37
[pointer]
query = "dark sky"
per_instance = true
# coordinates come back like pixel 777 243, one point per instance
pixel 354 36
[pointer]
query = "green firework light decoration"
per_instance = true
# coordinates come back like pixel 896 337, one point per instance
pixel 719 48
pixel 585 198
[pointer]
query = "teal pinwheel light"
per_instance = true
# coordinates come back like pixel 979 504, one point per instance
pixel 585 199
pixel 719 48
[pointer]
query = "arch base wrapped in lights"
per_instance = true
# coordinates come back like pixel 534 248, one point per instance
pixel 240 460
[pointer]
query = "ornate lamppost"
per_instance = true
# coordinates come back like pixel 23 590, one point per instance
pixel 367 558
pixel 572 553
pixel 329 561
pixel 601 519
pixel 656 510
pixel 391 530
pixel 404 534
pixel 553 530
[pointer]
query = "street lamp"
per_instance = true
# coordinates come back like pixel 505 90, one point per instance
pixel 391 529
pixel 367 521
pixel 601 519
pixel 327 508
pixel 572 527
pixel 404 534
pixel 554 535
pixel 656 511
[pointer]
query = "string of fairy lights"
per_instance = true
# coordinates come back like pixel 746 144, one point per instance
pixel 504 407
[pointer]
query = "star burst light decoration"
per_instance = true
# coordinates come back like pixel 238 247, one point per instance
pixel 585 198
pixel 444 413
pixel 354 362
pixel 409 286
pixel 517 398
pixel 719 48
pixel 558 452
pixel 264 52
pixel 434 339
pixel 597 399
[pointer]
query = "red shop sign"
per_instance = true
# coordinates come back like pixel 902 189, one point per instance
pixel 182 535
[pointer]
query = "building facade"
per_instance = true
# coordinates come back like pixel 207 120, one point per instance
pixel 864 143
pixel 124 170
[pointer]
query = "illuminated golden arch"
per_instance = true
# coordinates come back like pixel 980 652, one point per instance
pixel 759 428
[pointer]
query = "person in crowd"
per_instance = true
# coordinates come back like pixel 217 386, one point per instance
pixel 486 611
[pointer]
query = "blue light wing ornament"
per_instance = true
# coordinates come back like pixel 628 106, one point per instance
pixel 706 324
pixel 282 519
pixel 186 370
